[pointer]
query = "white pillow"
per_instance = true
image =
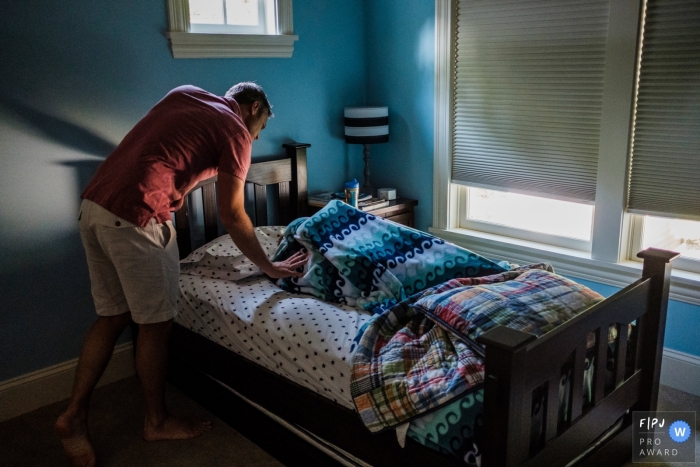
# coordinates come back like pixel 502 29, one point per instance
pixel 221 258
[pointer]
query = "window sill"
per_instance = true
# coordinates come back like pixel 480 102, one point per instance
pixel 198 45
pixel 685 286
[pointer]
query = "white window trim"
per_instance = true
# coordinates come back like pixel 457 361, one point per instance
pixel 607 263
pixel 185 44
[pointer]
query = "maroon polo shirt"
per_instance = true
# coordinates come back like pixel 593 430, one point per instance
pixel 187 137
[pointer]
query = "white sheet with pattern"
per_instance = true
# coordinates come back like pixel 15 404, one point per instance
pixel 297 336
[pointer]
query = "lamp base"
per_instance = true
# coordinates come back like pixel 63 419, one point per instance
pixel 367 185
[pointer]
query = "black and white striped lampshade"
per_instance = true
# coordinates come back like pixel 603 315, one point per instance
pixel 366 125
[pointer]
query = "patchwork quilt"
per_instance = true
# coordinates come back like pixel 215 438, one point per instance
pixel 365 261
pixel 421 353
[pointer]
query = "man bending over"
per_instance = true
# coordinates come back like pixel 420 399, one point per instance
pixel 129 240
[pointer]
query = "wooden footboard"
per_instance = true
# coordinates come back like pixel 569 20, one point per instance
pixel 517 363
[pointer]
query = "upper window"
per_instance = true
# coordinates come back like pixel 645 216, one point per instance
pixel 232 16
pixel 231 28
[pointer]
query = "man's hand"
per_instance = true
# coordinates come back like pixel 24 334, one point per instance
pixel 239 227
pixel 288 267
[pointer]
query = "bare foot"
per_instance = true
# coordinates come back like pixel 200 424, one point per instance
pixel 175 428
pixel 76 442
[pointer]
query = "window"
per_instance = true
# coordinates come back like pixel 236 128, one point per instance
pixel 666 144
pixel 231 28
pixel 552 143
pixel 544 220
pixel 232 16
pixel 678 235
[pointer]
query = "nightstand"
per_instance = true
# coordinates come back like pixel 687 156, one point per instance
pixel 399 210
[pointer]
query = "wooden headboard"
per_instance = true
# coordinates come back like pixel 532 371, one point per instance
pixel 287 181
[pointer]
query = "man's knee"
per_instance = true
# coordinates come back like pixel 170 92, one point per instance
pixel 121 320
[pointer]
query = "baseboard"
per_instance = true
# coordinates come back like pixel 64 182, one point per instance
pixel 46 386
pixel 681 371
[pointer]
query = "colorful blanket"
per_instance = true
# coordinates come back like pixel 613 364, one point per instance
pixel 421 353
pixel 362 260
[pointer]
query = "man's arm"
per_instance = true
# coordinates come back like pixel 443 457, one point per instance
pixel 239 227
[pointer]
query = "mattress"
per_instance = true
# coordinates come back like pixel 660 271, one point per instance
pixel 311 342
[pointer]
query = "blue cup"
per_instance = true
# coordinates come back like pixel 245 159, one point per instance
pixel 352 192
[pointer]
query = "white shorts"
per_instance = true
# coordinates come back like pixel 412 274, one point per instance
pixel 132 268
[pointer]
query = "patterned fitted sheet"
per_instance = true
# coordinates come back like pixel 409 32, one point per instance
pixel 297 336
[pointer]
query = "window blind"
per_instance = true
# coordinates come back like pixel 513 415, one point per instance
pixel 665 167
pixel 528 89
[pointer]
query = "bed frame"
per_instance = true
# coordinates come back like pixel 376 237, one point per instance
pixel 246 395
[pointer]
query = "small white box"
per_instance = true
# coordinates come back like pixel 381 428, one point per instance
pixel 386 193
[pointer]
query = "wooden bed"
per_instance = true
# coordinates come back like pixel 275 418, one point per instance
pixel 237 390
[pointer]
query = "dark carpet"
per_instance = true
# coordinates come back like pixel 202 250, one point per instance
pixel 116 421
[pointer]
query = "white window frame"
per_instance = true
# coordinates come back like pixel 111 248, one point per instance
pixel 187 44
pixel 635 245
pixel 609 259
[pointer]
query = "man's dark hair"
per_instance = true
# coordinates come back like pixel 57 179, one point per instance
pixel 247 92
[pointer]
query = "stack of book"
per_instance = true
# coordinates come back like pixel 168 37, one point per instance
pixel 372 203
pixel 323 198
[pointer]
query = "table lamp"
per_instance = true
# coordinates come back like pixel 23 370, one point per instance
pixel 366 125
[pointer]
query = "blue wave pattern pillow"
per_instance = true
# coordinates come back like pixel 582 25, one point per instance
pixel 363 260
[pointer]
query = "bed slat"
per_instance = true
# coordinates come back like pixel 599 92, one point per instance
pixel 620 353
pixel 182 228
pixel 298 188
pixel 576 405
pixel 260 204
pixel 211 225
pixel 638 351
pixel 601 361
pixel 552 411
pixel 284 208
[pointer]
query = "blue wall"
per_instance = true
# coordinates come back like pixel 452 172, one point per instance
pixel 74 81
pixel 400 75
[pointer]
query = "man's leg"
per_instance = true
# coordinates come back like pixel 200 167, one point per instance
pixel 71 427
pixel 152 366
